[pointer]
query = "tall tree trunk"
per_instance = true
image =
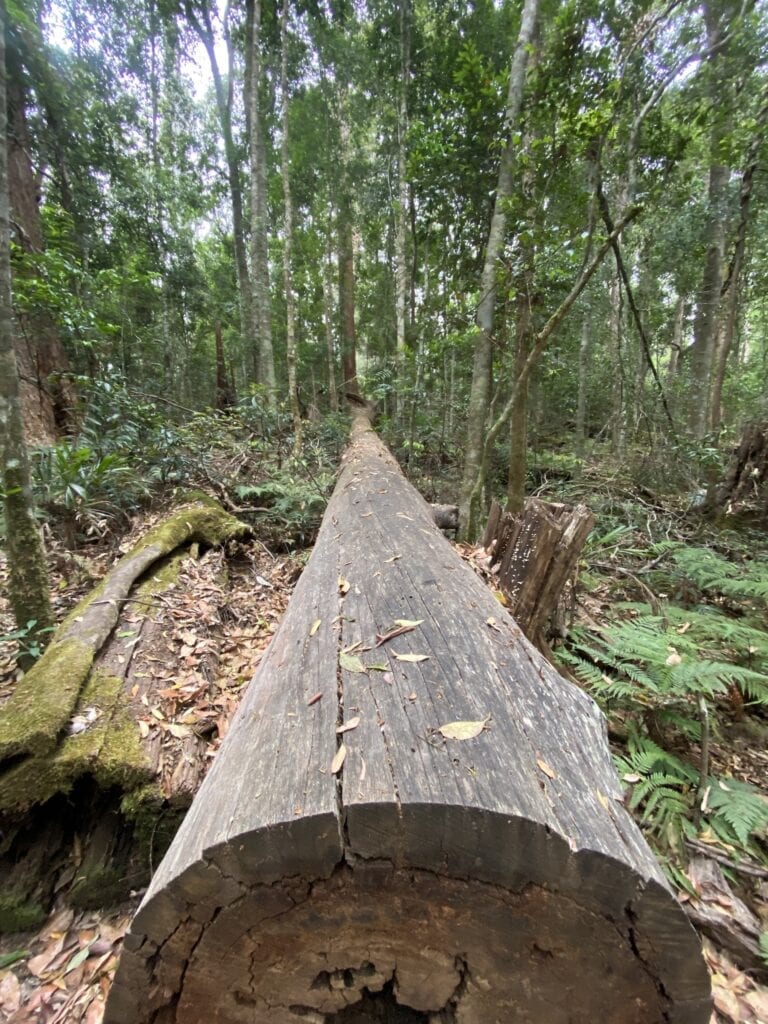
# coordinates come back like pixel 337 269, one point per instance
pixel 676 346
pixel 345 232
pixel 402 289
pixel 290 311
pixel 479 399
pixel 730 292
pixel 225 391
pixel 518 419
pixel 705 323
pixel 204 31
pixel 28 580
pixel 46 395
pixel 524 302
pixel 585 348
pixel 619 412
pixel 262 302
pixel 328 320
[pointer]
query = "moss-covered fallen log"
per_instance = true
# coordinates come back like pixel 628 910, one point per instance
pixel 33 720
pixel 72 751
pixel 413 817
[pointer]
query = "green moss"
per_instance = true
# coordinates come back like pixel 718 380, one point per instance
pixel 192 496
pixel 43 701
pixel 162 576
pixel 99 887
pixel 154 823
pixel 110 750
pixel 32 720
pixel 19 913
pixel 206 522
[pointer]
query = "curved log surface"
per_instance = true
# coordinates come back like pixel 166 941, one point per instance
pixel 490 879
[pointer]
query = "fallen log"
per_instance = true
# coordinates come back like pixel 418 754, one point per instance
pixel 74 759
pixel 413 817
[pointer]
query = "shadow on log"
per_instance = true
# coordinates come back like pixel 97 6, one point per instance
pixel 345 860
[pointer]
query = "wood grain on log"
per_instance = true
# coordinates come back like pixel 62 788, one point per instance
pixel 386 872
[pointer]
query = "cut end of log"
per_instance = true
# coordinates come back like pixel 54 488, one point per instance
pixel 374 942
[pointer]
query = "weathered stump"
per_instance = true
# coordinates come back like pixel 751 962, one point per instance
pixel 345 860
pixel 535 553
pixel 744 487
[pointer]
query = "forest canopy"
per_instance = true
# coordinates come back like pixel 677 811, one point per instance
pixel 266 203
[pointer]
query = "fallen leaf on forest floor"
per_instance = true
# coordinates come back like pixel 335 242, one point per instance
pixel 10 993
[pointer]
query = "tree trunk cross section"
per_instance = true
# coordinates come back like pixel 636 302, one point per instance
pixel 482 880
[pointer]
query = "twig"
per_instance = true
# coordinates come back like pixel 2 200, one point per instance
pixel 621 266
pixel 722 858
pixel 652 599
pixel 165 401
pixel 701 790
pixel 273 557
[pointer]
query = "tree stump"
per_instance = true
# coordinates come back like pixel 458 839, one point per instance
pixel 536 552
pixel 745 484
pixel 345 860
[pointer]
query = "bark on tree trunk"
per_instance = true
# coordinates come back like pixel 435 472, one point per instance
pixel 225 393
pixel 204 31
pixel 402 289
pixel 290 310
pixel 536 551
pixel 328 320
pixel 28 573
pixel 479 398
pixel 585 347
pixel 262 301
pixel 705 323
pixel 347 860
pixel 47 396
pixel 745 484
pixel 345 234
pixel 730 291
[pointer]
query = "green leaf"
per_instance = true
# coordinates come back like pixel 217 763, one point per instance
pixel 351 663
pixel 6 959
pixel 79 958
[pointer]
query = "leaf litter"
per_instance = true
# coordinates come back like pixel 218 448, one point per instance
pixel 212 626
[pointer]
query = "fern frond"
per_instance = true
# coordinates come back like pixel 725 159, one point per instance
pixel 742 807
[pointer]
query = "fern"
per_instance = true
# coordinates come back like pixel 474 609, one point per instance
pixel 736 810
pixel 647 662
pixel 715 575
pixel 663 789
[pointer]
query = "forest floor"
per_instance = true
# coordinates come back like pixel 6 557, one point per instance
pixel 61 973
